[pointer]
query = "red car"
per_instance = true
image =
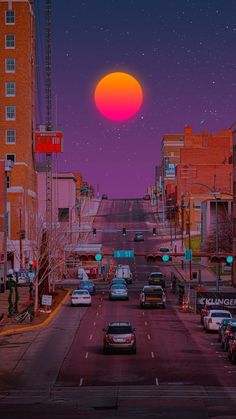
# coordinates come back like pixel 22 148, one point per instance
pixel 228 334
pixel 232 349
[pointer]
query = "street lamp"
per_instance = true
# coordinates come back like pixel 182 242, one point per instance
pixel 8 168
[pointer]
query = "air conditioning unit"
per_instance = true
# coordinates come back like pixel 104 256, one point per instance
pixel 9 165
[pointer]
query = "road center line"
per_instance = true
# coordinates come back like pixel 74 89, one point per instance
pixel 81 381
pixel 149 337
pixel 152 354
pixel 145 323
pixel 90 337
pixel 97 313
pixel 94 323
pixel 157 382
pixel 86 356
pixel 99 305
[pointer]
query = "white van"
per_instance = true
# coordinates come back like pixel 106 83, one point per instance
pixel 123 271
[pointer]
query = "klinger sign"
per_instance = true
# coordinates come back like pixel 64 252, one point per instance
pixel 226 299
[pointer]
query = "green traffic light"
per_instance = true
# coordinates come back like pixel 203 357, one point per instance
pixel 98 257
pixel 165 258
pixel 229 259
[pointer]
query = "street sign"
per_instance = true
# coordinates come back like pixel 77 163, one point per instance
pixel 188 254
pixel 46 300
pixel 123 254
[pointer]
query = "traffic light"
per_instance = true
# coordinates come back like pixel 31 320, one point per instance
pixel 154 231
pixel 94 232
pixel 229 260
pixel 165 258
pixel 123 231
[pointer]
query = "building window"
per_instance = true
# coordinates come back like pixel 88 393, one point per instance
pixel 8 182
pixel 11 157
pixel 10 88
pixel 198 226
pixel 9 41
pixel 10 113
pixel 197 205
pixel 10 65
pixel 63 215
pixel 10 17
pixel 10 136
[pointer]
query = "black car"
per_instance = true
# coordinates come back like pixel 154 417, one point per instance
pixel 104 196
pixel 139 237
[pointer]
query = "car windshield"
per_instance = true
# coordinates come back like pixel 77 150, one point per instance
pixel 116 330
pixel 156 275
pixel 164 249
pixel 220 314
pixel 80 292
pixel 118 287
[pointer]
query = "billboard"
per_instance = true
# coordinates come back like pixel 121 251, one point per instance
pixel 48 142
pixel 226 299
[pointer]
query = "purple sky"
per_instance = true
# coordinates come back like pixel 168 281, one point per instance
pixel 183 54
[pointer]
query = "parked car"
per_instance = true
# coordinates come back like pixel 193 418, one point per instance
pixel 81 297
pixel 118 292
pixel 207 307
pixel 152 296
pixel 165 250
pixel 222 327
pixel 232 349
pixel 118 281
pixel 213 319
pixel 157 278
pixel 123 271
pixel 88 285
pixel 119 336
pixel 228 334
pixel 147 197
pixel 138 237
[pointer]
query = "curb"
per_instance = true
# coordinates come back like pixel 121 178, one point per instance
pixel 37 326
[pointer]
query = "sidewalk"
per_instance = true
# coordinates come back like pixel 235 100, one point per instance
pixel 11 325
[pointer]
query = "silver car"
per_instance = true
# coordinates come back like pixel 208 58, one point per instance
pixel 118 292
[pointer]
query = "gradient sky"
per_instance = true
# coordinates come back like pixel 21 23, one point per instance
pixel 183 54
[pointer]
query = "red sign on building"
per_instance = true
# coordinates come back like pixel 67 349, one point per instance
pixel 48 142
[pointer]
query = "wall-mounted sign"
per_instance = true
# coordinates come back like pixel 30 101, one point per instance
pixel 170 169
pixel 48 142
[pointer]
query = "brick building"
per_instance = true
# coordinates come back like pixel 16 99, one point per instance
pixel 190 160
pixel 17 120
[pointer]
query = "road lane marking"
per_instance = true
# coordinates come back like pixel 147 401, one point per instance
pixel 99 305
pixel 214 343
pixel 145 323
pixel 97 313
pixel 149 337
pixel 81 381
pixel 157 382
pixel 94 323
pixel 86 356
pixel 90 337
pixel 152 354
pixel 143 313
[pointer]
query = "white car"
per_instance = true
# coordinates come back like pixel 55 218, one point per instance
pixel 81 297
pixel 213 319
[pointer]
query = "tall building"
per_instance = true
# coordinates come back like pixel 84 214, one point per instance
pixel 17 123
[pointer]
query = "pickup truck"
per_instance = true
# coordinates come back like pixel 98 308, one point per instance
pixel 152 296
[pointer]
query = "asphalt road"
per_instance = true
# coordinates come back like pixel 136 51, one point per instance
pixel 61 371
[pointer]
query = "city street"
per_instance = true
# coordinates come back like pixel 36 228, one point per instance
pixel 178 368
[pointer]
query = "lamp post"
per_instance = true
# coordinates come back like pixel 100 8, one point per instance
pixel 8 168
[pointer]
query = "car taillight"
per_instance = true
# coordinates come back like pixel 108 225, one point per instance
pixel 87 297
pixel 132 337
pixel 210 320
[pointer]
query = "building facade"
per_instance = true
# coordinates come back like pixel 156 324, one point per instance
pixel 17 123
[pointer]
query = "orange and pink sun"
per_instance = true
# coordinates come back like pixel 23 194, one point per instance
pixel 118 96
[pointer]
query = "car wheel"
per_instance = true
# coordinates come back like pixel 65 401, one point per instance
pixel 229 356
pixel 105 349
pixel 134 350
pixel 219 340
pixel 233 358
pixel 163 306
